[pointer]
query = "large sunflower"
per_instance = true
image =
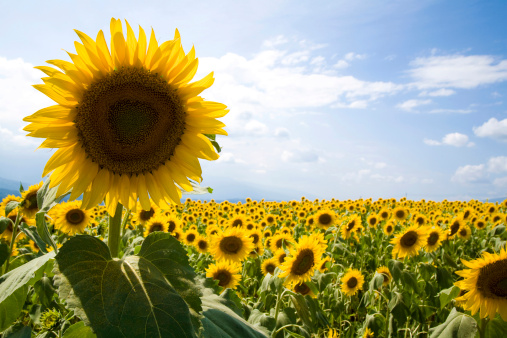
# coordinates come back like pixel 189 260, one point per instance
pixel 128 124
pixel 486 283
pixel 304 259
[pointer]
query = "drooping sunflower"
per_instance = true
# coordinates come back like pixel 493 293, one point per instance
pixel 303 289
pixel 325 218
pixel 128 123
pixel 352 282
pixel 232 245
pixel 269 265
pixel 486 283
pixel 227 274
pixel 384 270
pixel 408 242
pixel 156 223
pixel 72 218
pixel 304 259
pixel 28 203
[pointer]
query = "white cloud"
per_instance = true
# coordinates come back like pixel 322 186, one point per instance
pixel 497 164
pixel 353 56
pixel 493 129
pixel 341 64
pixel 409 105
pixel 452 139
pixel 501 181
pixel 457 71
pixel 254 127
pixel 355 176
pixel 450 111
pixel 469 174
pixel 439 92
pixel 228 157
pixel 276 41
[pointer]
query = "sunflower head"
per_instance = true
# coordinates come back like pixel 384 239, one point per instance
pixel 228 275
pixel 269 266
pixel 352 282
pixel 408 242
pixel 233 245
pixel 72 218
pixel 128 122
pixel 29 206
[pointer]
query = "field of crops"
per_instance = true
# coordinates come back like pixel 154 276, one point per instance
pixel 322 268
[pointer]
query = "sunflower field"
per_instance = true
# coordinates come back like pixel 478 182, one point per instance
pixel 385 268
pixel 122 256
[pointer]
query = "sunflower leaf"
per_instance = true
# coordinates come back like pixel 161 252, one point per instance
pixel 127 297
pixel 376 281
pixel 31 232
pixel 447 295
pixel 11 206
pixel 496 328
pixel 4 223
pixel 79 330
pixel 4 253
pixel 46 197
pixel 457 324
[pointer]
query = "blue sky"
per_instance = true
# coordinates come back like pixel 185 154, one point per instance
pixel 341 99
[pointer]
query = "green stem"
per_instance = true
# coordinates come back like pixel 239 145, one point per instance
pixel 13 240
pixel 113 238
pixel 124 222
pixel 482 327
pixel 277 308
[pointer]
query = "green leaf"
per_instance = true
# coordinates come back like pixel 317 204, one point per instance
pixel 496 328
pixel 210 190
pixel 444 278
pixel 301 308
pixel 127 297
pixel 31 232
pixel 14 287
pixel 447 295
pixel 450 261
pixel 4 223
pixel 410 280
pixel 44 290
pixel 11 206
pixel 79 330
pixel 167 254
pixel 457 325
pixel 217 146
pixel 222 321
pixel 396 268
pixel 262 319
pixel 376 281
pixel 398 308
pixel 4 253
pixel 498 230
pixel 46 197
pixel 25 332
pixel 43 231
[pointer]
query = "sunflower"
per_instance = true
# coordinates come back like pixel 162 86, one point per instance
pixel 352 281
pixel 400 213
pixel 141 216
pixel 384 270
pixel 28 203
pixel 128 124
pixel 232 245
pixel 190 236
pixel 389 227
pixel 384 214
pixel 350 226
pixel 322 267
pixel 325 218
pixel 227 274
pixel 434 237
pixel 368 333
pixel 280 255
pixel 372 220
pixel 480 224
pixel 279 240
pixel 454 226
pixel 486 283
pixel 464 232
pixel 9 198
pixel 71 218
pixel 303 260
pixel 173 223
pixel 156 223
pixel 269 265
pixel 408 242
pixel 202 245
pixel 303 289
pixel 237 221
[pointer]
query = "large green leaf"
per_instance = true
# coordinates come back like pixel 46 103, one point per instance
pixel 457 325
pixel 166 253
pixel 79 330
pixel 221 319
pixel 14 287
pixel 130 297
pixel 496 328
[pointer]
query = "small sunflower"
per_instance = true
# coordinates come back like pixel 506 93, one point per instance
pixel 454 226
pixel 372 220
pixel 464 232
pixel 322 267
pixel 233 245
pixel 279 240
pixel 141 216
pixel 408 242
pixel 486 283
pixel 389 227
pixel 190 236
pixel 352 282
pixel 325 218
pixel 269 265
pixel 128 123
pixel 237 221
pixel 71 218
pixel 202 245
pixel 28 203
pixel 303 260
pixel 352 225
pixel 227 274
pixel 156 223
pixel 280 256
pixel 400 213
pixel 368 333
pixel 434 237
pixel 384 270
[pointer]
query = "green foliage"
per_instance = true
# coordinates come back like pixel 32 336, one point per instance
pixel 457 325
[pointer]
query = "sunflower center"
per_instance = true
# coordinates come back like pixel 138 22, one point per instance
pixel 463 232
pixel 231 245
pixel 351 225
pixel 190 237
pixel 281 258
pixel 373 221
pixel 172 226
pixel 255 238
pixel 409 239
pixel 325 219
pixel 302 288
pixel 145 215
pixel 455 227
pixel 156 227
pixel 352 282
pixel 130 121
pixel 203 245
pixel 433 238
pixel 270 268
pixel 389 228
pixel 224 277
pixel 237 223
pixel 492 280
pixel 75 216
pixel 400 214
pixel 304 262
pixel 270 219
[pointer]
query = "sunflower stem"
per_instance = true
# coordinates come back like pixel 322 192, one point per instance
pixel 482 327
pixel 279 297
pixel 13 239
pixel 113 238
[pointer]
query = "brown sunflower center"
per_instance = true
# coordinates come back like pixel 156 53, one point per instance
pixel 130 121
pixel 31 198
pixel 202 244
pixel 231 245
pixel 302 288
pixel 372 221
pixel 352 282
pixel 75 216
pixel 172 226
pixel 304 262
pixel 190 237
pixel 156 227
pixel 145 215
pixel 463 232
pixel 384 214
pixel 492 280
pixel 255 238
pixel 270 267
pixel 389 228
pixel 433 238
pixel 237 223
pixel 409 239
pixel 224 277
pixel 455 227
pixel 270 219
pixel 325 219
pixel 351 225
pixel 400 214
